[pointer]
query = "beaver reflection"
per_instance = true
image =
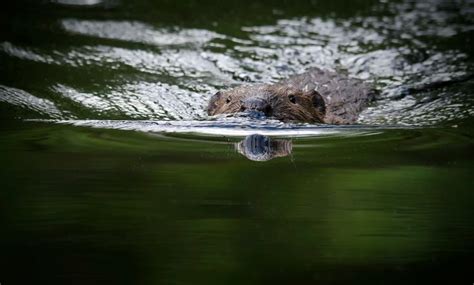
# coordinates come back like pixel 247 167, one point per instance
pixel 262 148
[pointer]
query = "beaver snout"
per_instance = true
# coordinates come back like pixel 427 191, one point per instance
pixel 256 104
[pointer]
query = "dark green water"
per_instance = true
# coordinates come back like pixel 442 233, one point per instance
pixel 111 173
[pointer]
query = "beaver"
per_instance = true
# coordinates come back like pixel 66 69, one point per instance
pixel 316 96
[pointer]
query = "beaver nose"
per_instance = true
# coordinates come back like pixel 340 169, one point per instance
pixel 256 104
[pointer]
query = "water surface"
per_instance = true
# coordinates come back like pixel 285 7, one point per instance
pixel 112 172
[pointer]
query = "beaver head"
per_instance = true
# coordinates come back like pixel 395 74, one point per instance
pixel 281 102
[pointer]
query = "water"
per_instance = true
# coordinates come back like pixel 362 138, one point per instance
pixel 113 173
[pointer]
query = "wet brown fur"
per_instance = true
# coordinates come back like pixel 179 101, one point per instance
pixel 316 96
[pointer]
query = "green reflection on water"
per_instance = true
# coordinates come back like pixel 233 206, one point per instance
pixel 121 207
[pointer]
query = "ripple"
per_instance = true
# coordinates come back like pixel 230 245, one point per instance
pixel 178 63
pixel 86 100
pixel 139 100
pixel 424 110
pixel 20 98
pixel 24 53
pixel 231 127
pixel 138 32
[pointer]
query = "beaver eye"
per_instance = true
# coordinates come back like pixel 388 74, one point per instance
pixel 292 99
pixel 227 100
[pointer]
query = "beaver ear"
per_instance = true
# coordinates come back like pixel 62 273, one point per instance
pixel 212 103
pixel 318 101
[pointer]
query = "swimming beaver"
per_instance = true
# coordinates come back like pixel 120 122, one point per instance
pixel 316 96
